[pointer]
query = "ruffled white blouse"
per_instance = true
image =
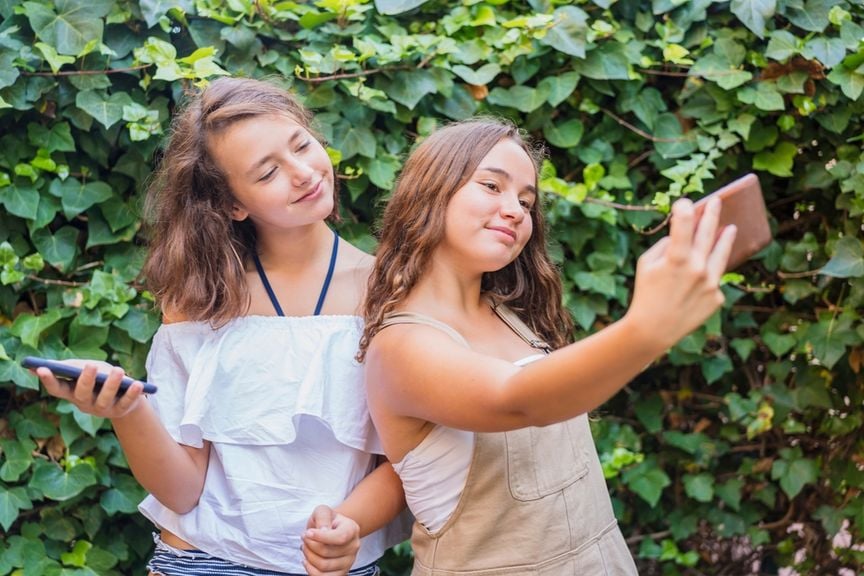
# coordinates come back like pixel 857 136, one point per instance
pixel 283 403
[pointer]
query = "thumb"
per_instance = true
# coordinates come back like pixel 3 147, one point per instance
pixel 322 517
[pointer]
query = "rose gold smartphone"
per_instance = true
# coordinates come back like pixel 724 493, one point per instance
pixel 743 206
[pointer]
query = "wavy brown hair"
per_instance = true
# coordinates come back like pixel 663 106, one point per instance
pixel 198 254
pixel 413 225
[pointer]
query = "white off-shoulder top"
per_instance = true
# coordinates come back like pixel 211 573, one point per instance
pixel 283 403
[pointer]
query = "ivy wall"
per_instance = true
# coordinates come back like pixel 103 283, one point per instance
pixel 738 452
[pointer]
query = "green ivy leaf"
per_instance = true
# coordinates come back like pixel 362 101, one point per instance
pixel 408 88
pixel 107 110
pixel 851 82
pixel 153 10
pixel 647 480
pixel 12 501
pixel 20 199
pixel 352 140
pixel 730 492
pixel 29 327
pixel 58 249
pixel 812 16
pixel 607 62
pixel 68 25
pixel 569 32
pixel 778 344
pixel 754 13
pixel 123 497
pixel 700 487
pixel 140 325
pixel 55 61
pixel 565 135
pixel 765 97
pixel 828 51
pixel 479 77
pixel 782 45
pixel 778 161
pixel 393 7
pixel 848 259
pixel 794 472
pixel 17 458
pixel 77 197
pixel 55 483
pixel 58 138
pixel 558 87
pixel 78 556
pixel 522 98
pixel 673 142
pixel 8 72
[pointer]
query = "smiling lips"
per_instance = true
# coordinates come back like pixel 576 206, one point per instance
pixel 313 193
pixel 504 230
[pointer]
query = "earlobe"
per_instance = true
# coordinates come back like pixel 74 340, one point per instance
pixel 238 213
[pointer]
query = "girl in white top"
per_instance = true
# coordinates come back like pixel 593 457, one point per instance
pixel 261 410
pixel 463 234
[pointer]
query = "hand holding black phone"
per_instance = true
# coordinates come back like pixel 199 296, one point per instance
pixel 71 373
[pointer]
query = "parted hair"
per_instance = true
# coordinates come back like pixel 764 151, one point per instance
pixel 198 254
pixel 413 225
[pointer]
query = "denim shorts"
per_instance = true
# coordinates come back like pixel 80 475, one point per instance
pixel 170 561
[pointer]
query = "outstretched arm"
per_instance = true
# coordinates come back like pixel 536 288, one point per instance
pixel 171 472
pixel 332 539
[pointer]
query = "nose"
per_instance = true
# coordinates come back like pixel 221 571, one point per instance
pixel 301 172
pixel 511 208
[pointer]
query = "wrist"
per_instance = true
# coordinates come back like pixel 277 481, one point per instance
pixel 652 341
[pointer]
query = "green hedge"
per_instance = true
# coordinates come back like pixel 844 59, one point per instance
pixel 742 446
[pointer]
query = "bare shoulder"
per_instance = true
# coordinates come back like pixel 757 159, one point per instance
pixel 357 261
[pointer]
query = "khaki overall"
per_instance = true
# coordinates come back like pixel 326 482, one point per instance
pixel 535 502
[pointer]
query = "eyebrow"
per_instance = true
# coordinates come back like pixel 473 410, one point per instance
pixel 297 134
pixel 506 175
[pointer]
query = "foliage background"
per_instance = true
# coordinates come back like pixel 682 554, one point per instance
pixel 740 451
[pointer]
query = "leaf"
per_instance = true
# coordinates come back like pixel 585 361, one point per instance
pixel 17 456
pixel 765 97
pixel 830 337
pixel 20 199
pixel 140 325
pixel 107 111
pixel 29 328
pixel 56 139
pixel 12 501
pixel 565 135
pixel 813 16
pixel 851 82
pixel 673 142
pixel 8 72
pixel 700 487
pixel 55 61
pixel 153 10
pixel 77 197
pixel 123 497
pixel 569 32
pixel 559 87
pixel 57 484
pixel 408 88
pixel 522 98
pixel 794 474
pixel 58 249
pixel 352 140
pixel 68 25
pixel 479 77
pixel 607 62
pixel 828 51
pixel 782 45
pixel 778 344
pixel 754 13
pixel 847 261
pixel 393 7
pixel 382 171
pixel 646 480
pixel 730 492
pixel 778 161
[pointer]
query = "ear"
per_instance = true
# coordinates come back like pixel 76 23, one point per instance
pixel 239 213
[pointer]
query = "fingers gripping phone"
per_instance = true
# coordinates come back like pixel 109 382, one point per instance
pixel 71 373
pixel 742 204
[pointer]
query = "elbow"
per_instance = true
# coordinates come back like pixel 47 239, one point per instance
pixel 179 505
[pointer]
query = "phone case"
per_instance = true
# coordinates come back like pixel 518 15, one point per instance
pixel 743 206
pixel 68 372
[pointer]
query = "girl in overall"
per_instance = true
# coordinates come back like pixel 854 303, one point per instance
pixel 484 422
pixel 261 410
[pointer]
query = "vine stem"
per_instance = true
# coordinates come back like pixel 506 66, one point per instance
pixel 88 72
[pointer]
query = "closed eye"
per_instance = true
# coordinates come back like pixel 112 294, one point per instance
pixel 268 175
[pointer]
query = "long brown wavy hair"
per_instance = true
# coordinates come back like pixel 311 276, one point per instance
pixel 197 259
pixel 413 225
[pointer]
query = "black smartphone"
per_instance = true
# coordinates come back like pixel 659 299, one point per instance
pixel 71 373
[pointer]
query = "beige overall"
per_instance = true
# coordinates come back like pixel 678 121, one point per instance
pixel 535 502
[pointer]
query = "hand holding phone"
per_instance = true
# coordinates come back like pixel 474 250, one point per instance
pixel 71 373
pixel 742 205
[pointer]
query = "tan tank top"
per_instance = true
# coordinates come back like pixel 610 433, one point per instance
pixel 535 502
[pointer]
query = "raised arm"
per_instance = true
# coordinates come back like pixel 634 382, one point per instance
pixel 677 289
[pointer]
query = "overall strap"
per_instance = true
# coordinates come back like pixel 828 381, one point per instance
pixel 414 318
pixel 333 253
pixel 519 327
pixel 267 286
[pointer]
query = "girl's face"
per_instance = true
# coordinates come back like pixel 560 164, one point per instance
pixel 280 175
pixel 488 220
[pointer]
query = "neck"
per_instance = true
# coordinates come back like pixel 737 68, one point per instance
pixel 294 249
pixel 446 291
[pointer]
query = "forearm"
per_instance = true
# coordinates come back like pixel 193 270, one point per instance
pixel 375 501
pixel 580 377
pixel 171 472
